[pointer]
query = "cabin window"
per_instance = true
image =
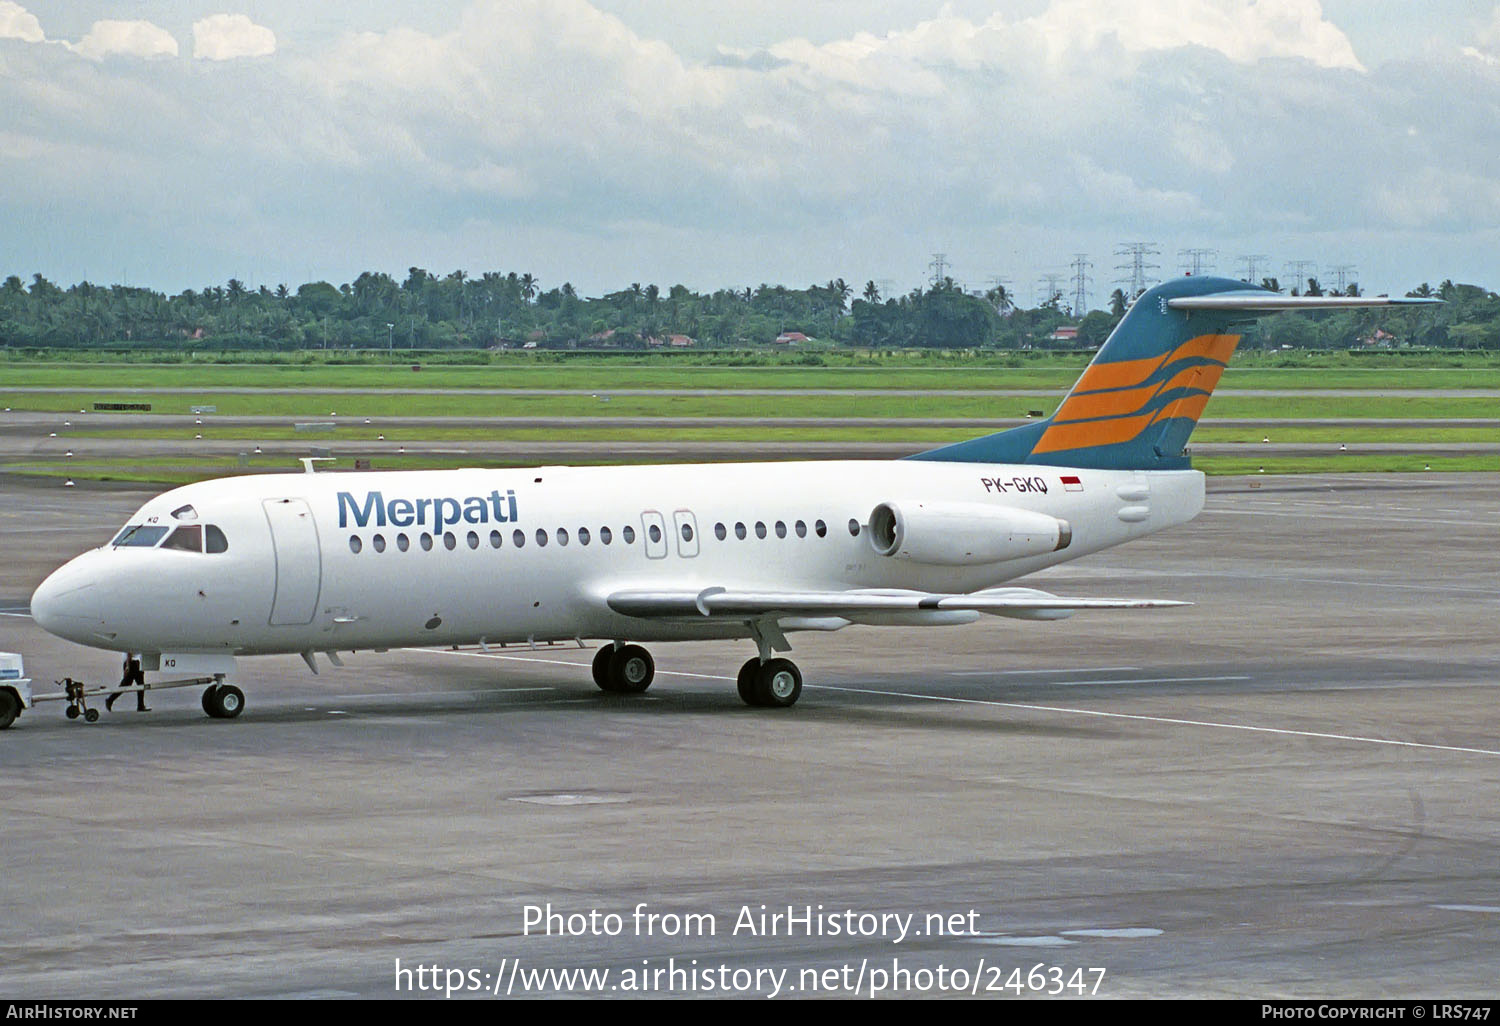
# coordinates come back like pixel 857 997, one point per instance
pixel 355 544
pixel 583 536
pixel 140 536
pixel 519 538
pixel 760 529
pixel 780 529
pixel 495 539
pixel 188 538
pixel 214 540
pixel 719 532
pixel 473 540
pixel 655 533
pixel 402 543
pixel 801 529
pixel 426 540
pixel 628 533
pixel 378 542
pixel 562 536
pixel 820 529
pixel 739 531
pixel 687 532
pixel 449 541
pixel 854 528
pixel 605 535
pixel 541 536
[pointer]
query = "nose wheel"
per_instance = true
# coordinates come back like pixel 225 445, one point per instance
pixel 223 701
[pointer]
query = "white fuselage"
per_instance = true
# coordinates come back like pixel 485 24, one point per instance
pixel 290 580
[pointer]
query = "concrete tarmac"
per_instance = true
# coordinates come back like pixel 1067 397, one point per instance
pixel 1286 790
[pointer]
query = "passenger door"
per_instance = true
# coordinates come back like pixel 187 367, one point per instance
pixel 299 561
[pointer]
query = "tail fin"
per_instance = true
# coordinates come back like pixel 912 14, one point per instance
pixel 1140 398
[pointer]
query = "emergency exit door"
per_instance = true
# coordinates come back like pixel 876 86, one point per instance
pixel 299 561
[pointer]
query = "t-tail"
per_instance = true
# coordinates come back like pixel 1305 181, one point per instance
pixel 1140 398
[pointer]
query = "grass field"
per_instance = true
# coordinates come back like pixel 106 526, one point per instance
pixel 1054 372
pixel 291 392
pixel 359 405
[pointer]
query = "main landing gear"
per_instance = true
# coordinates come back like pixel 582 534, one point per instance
pixel 763 683
pixel 624 669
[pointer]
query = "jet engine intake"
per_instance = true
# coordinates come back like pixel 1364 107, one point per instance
pixel 963 534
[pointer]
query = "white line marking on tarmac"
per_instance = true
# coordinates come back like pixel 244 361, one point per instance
pixel 1044 708
pixel 1075 669
pixel 1469 908
pixel 7 612
pixel 1164 719
pixel 1336 516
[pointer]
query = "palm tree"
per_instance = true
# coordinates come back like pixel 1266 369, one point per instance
pixel 872 292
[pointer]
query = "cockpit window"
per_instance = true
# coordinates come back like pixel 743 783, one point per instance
pixel 188 538
pixel 185 513
pixel 216 542
pixel 140 536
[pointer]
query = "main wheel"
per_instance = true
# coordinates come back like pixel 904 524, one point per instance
pixel 223 701
pixel 10 708
pixel 631 670
pixel 746 681
pixel 72 712
pixel 92 716
pixel 778 683
pixel 601 668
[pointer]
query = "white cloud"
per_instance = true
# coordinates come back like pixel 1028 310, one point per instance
pixel 16 22
pixel 127 39
pixel 225 37
pixel 1193 122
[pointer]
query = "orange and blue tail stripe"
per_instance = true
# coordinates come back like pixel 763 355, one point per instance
pixel 1140 398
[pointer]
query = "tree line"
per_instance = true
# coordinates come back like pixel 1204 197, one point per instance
pixel 457 310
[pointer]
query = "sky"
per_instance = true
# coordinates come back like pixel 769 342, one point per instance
pixel 178 143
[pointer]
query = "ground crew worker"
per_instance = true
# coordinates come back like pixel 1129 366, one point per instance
pixel 133 675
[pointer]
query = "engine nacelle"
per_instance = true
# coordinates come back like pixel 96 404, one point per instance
pixel 963 533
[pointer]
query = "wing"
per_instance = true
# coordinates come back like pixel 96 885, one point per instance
pixel 722 603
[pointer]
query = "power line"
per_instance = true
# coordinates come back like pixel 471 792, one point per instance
pixel 1137 265
pixel 1081 280
pixel 1197 261
pixel 1250 263
pixel 938 267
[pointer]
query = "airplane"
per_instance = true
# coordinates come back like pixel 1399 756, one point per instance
pixel 342 562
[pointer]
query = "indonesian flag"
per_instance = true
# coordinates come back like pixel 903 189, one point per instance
pixel 1071 484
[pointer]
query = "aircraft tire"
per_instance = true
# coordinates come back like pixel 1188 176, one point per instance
pixel 72 712
pixel 223 701
pixel 631 670
pixel 778 684
pixel 745 682
pixel 10 708
pixel 92 716
pixel 601 668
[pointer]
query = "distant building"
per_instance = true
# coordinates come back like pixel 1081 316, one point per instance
pixel 1064 333
pixel 790 338
pixel 680 341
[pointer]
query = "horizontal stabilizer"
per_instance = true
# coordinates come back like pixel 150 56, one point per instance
pixel 1261 302
pixel 721 603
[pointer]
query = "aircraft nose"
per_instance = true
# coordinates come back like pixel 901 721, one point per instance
pixel 67 602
